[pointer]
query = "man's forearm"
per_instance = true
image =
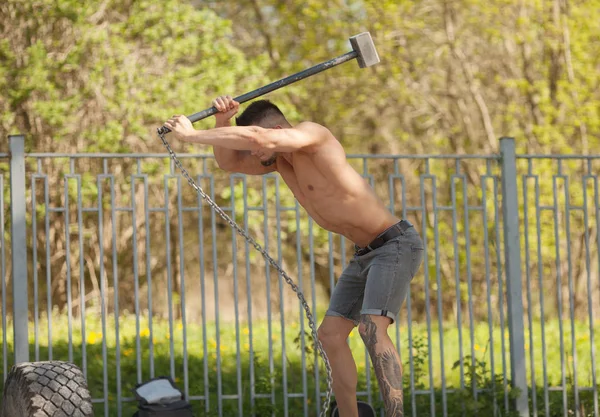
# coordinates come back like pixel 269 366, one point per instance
pixel 232 137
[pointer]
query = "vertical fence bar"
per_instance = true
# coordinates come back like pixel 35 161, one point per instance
pixel 168 254
pixel 278 209
pixel 68 263
pixel 48 263
pixel 115 273
pixel 82 310
pixel 300 308
pixel 18 227
pixel 136 280
pixel 186 381
pixel 34 250
pixel 559 289
pixel 313 287
pixel 438 275
pixel 486 243
pixel 213 228
pixel 103 290
pixel 236 300
pixel 149 276
pixel 202 263
pixel 571 290
pixel 427 295
pixel 497 220
pixel 469 276
pixel 524 179
pixel 249 299
pixel 540 271
pixel 268 291
pixel 596 210
pixel 459 320
pixel 588 264
pixel 514 295
pixel 3 282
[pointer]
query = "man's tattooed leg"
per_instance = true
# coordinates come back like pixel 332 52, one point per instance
pixel 386 363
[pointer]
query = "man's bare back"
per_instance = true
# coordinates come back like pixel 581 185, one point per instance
pixel 333 193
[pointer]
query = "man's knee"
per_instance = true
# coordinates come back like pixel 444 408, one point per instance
pixel 334 332
pixel 372 328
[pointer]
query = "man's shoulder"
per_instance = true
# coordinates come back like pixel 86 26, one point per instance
pixel 311 127
pixel 316 129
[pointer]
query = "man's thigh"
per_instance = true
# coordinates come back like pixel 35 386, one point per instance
pixel 347 296
pixel 389 277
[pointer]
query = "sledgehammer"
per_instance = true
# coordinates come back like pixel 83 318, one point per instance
pixel 363 50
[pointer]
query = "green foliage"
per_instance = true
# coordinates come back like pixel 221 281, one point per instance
pixel 97 76
pixel 478 376
pixel 100 76
pixel 454 76
pixel 459 399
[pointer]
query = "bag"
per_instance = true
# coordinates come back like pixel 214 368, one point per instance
pixel 159 397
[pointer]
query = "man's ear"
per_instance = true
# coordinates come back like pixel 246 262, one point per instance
pixel 278 127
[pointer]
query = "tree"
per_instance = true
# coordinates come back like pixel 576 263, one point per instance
pixel 101 76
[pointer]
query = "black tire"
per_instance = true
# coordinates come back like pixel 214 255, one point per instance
pixel 46 389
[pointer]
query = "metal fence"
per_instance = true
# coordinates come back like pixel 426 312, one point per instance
pixel 113 263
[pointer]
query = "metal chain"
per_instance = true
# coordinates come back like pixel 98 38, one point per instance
pixel 234 225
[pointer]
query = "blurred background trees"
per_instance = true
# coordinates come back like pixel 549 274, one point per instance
pixel 455 76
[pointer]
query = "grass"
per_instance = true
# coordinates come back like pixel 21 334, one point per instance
pixel 224 365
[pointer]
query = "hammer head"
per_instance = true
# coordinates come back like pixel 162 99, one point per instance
pixel 363 45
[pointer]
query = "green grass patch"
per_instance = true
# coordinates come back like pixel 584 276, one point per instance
pixel 283 360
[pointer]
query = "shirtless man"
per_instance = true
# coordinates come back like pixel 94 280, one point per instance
pixel 389 251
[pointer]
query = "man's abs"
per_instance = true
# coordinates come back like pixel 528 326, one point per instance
pixel 359 218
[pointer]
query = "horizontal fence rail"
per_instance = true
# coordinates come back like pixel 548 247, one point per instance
pixel 131 275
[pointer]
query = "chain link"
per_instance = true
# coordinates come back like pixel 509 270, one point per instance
pixel 234 225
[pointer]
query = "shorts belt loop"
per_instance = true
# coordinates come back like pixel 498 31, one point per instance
pixel 384 312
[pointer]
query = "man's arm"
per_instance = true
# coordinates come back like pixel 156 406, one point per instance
pixel 306 136
pixel 230 159
pixel 227 159
pixel 227 107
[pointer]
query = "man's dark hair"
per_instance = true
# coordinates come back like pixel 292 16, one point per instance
pixel 258 111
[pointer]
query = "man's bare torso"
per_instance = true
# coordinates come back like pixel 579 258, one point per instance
pixel 334 194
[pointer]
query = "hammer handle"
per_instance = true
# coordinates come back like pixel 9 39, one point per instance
pixel 274 86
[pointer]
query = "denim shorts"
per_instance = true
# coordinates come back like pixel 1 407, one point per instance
pixel 377 282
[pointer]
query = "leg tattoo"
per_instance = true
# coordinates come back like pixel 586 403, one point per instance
pixel 387 369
